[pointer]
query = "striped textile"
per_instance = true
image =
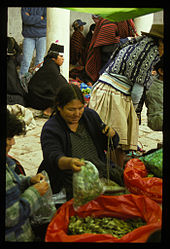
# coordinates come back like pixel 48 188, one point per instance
pixel 105 33
pixel 77 48
pixel 119 82
pixel 22 200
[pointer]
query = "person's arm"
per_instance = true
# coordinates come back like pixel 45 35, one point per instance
pixel 101 128
pixel 20 206
pixel 33 20
pixel 70 163
pixel 136 94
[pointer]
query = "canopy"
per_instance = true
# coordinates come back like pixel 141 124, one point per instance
pixel 117 14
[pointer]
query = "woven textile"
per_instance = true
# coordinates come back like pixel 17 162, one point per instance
pixel 77 48
pixel 136 60
pixel 105 33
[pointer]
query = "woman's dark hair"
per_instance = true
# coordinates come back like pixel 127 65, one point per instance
pixel 51 54
pixel 66 94
pixel 14 125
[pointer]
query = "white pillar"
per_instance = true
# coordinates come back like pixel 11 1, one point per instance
pixel 144 23
pixel 58 28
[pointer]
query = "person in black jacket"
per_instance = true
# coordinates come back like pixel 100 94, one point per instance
pixel 15 92
pixel 46 81
pixel 74 132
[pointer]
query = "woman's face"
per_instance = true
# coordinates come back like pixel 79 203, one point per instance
pixel 72 112
pixel 9 143
pixel 59 61
pixel 81 28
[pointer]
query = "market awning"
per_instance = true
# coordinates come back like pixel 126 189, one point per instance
pixel 117 14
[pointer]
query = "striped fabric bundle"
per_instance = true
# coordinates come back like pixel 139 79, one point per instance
pixel 77 45
pixel 105 33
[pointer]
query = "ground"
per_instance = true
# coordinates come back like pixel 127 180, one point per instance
pixel 27 149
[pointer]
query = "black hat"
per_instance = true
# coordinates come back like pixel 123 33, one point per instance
pixel 56 48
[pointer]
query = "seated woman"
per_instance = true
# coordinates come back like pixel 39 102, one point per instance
pixel 23 193
pixel 117 92
pixel 45 82
pixel 74 132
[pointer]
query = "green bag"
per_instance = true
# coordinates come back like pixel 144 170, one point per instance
pixel 154 162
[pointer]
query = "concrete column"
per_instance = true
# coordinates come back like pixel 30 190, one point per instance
pixel 144 23
pixel 58 28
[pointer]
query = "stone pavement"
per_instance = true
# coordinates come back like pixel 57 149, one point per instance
pixel 27 149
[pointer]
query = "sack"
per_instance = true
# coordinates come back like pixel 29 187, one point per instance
pixel 123 206
pixel 45 213
pixel 86 185
pixel 154 162
pixel 137 182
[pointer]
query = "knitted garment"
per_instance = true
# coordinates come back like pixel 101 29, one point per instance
pixel 135 60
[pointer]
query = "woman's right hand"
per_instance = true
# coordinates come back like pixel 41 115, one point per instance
pixel 70 163
pixel 41 187
pixel 76 164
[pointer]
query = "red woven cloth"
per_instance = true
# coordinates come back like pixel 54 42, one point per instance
pixel 105 33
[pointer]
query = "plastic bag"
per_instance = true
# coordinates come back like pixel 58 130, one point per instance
pixel 45 213
pixel 137 182
pixel 123 206
pixel 154 162
pixel 86 185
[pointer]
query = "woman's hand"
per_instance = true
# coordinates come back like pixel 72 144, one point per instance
pixel 70 163
pixel 41 187
pixel 76 164
pixel 37 178
pixel 108 131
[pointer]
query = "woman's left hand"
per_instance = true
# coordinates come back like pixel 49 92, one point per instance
pixel 37 178
pixel 108 131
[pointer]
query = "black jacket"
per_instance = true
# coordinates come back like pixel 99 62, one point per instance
pixel 44 84
pixel 15 92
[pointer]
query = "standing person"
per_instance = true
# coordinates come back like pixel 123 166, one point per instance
pixel 78 44
pixel 105 39
pixel 34 23
pixel 23 193
pixel 154 100
pixel 74 132
pixel 46 81
pixel 116 94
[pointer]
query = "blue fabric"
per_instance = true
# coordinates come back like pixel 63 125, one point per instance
pixel 29 45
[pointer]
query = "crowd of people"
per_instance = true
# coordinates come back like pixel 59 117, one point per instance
pixel 125 70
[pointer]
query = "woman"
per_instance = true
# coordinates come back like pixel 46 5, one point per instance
pixel 23 193
pixel 46 81
pixel 74 132
pixel 78 44
pixel 105 39
pixel 118 91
